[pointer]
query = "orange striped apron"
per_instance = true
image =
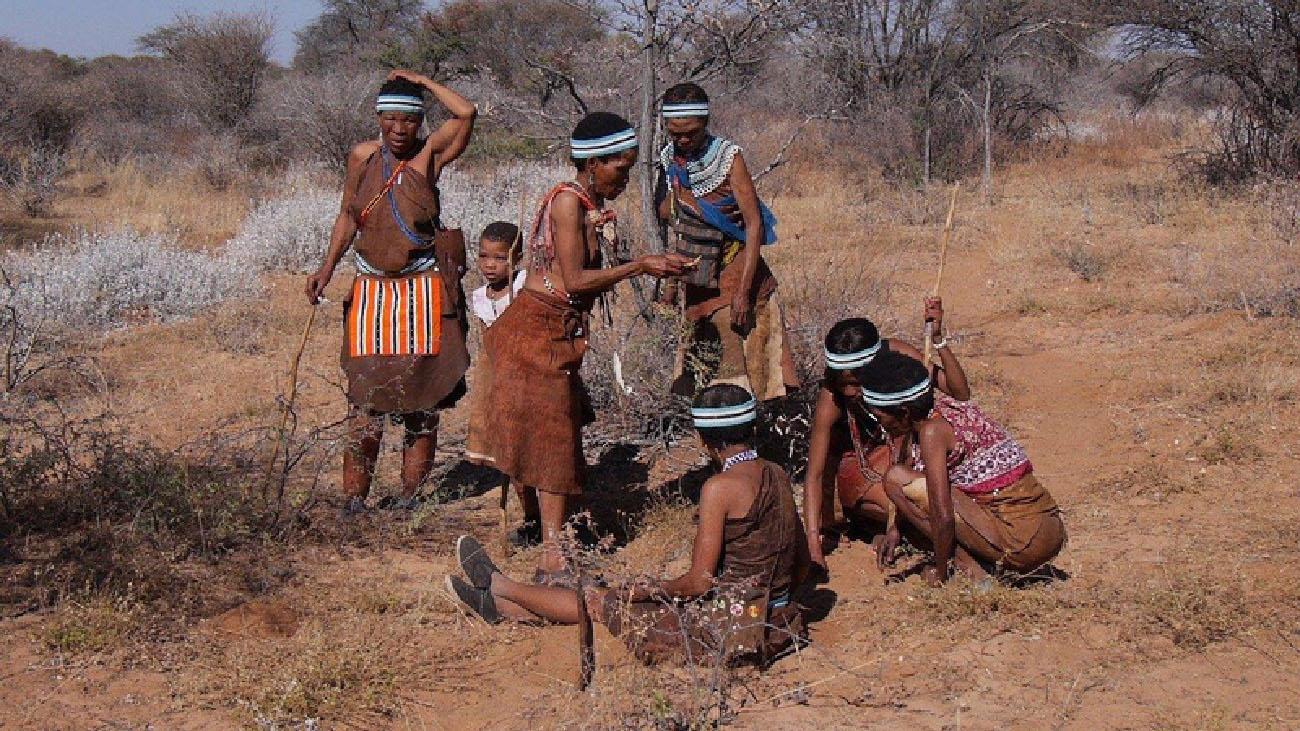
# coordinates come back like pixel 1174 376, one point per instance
pixel 395 316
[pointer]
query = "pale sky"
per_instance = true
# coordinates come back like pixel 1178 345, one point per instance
pixel 90 29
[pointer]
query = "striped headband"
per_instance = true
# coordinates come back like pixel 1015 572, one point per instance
pixel 686 109
pixel 607 145
pixel 725 416
pixel 399 103
pixel 896 399
pixel 849 361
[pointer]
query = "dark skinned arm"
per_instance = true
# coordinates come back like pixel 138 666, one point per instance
pixel 936 437
pixel 345 227
pixel 452 136
pixel 571 254
pixel 742 186
pixel 951 373
pixel 819 444
pixel 950 381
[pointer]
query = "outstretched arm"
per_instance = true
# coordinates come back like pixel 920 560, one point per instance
pixel 570 223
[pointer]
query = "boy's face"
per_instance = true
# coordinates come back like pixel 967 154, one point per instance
pixel 494 261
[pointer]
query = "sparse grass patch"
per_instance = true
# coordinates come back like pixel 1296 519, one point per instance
pixel 97 625
pixel 1229 444
pixel 1193 610
pixel 1083 258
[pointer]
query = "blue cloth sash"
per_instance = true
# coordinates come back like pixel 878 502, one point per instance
pixel 713 215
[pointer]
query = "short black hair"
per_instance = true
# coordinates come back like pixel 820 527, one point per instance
pixel 717 396
pixel 506 233
pixel 853 335
pixel 891 372
pixel 593 127
pixel 686 93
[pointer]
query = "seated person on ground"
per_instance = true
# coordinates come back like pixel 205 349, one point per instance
pixel 747 558
pixel 847 450
pixel 966 488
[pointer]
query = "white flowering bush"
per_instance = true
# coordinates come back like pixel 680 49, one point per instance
pixel 101 280
pixel 287 234
pixel 472 199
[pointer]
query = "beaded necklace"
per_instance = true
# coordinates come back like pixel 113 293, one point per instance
pixel 748 455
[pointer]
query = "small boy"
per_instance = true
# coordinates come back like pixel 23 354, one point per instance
pixel 499 249
pixel 499 252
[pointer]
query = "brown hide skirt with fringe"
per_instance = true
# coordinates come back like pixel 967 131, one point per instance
pixel 537 405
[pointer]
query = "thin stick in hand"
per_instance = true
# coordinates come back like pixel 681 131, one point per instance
pixel 938 280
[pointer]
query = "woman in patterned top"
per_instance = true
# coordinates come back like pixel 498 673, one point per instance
pixel 967 487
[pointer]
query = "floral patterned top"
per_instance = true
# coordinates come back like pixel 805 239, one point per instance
pixel 986 458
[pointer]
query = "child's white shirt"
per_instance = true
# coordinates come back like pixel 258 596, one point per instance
pixel 487 309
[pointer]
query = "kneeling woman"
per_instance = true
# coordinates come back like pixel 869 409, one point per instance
pixel 970 489
pixel 748 557
pixel 847 451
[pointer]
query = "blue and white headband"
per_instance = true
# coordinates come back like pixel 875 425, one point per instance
pixel 607 145
pixel 399 103
pixel 686 109
pixel 899 398
pixel 724 416
pixel 849 361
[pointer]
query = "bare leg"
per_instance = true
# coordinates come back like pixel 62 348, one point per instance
pixel 362 451
pixel 547 602
pixel 917 516
pixel 417 460
pixel 554 511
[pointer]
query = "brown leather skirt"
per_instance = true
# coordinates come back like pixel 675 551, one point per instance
pixel 537 405
pixel 696 632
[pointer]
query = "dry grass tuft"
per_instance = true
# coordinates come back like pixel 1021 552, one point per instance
pixel 97 625
pixel 1194 610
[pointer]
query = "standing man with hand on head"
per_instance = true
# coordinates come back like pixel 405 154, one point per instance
pixel 403 320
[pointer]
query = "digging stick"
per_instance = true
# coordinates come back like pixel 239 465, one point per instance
pixel 282 435
pixel 938 280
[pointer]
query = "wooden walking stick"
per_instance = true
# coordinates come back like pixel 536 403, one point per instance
pixel 938 280
pixel 282 436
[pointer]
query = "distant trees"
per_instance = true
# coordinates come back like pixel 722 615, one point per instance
pixel 224 59
pixel 1251 48
pixel 350 33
